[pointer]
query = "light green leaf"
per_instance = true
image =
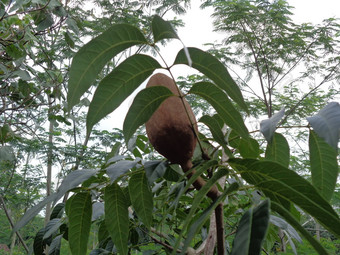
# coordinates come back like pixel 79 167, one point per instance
pixel 278 150
pixel 225 109
pixel 278 182
pixel 118 85
pixel 79 215
pixel 141 197
pixel 144 105
pixel 214 70
pixel 92 57
pixel 252 230
pixel 117 217
pixel 162 29
pixel 291 219
pixel 324 166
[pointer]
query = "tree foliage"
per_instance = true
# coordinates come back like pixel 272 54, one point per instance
pixel 126 198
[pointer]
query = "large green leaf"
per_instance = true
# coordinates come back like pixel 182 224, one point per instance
pixel 252 230
pixel 278 150
pixel 141 197
pixel 162 29
pixel 117 217
pixel 277 182
pixel 118 85
pixel 213 69
pixel 291 219
pixel 79 216
pixel 92 57
pixel 144 105
pixel 220 101
pixel 324 166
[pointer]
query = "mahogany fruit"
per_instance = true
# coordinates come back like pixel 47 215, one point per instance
pixel 171 129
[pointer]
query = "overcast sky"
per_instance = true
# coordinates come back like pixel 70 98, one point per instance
pixel 199 30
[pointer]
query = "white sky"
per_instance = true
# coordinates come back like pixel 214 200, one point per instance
pixel 199 30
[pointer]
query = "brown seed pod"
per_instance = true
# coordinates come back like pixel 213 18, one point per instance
pixel 169 129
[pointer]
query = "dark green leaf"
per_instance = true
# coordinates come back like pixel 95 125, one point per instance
pixel 252 230
pixel 38 245
pixel 278 182
pixel 162 29
pixel 118 85
pixel 117 217
pixel 213 69
pixel 57 211
pixel 45 23
pixel 225 109
pixel 92 57
pixel 144 105
pixel 324 165
pixel 278 150
pixel 79 217
pixel 141 197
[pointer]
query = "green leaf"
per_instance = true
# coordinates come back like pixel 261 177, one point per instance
pixel 58 211
pixel 201 194
pixel 144 105
pixel 213 69
pixel 162 29
pixel 291 219
pixel 220 101
pixel 118 85
pixel 197 225
pixel 117 217
pixel 324 165
pixel 38 245
pixel 278 182
pixel 249 148
pixel 79 216
pixel 141 197
pixel 92 57
pixel 252 230
pixel 215 127
pixel 278 150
